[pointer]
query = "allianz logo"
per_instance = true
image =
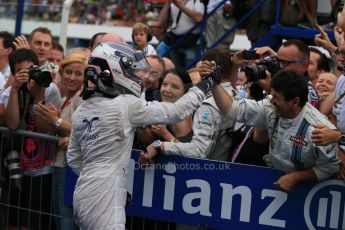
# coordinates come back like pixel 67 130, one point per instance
pixel 324 207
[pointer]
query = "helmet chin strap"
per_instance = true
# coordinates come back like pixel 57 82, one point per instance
pixel 91 76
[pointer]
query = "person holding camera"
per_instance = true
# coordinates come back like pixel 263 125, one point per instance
pixel 30 88
pixel 41 42
pixel 289 120
pixel 294 54
pixel 72 75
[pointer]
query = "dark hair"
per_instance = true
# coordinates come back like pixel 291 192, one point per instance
pixel 7 40
pixel 301 46
pixel 222 59
pixel 57 46
pixel 94 37
pixel 21 55
pixel 291 84
pixel 322 63
pixel 43 30
pixel 183 75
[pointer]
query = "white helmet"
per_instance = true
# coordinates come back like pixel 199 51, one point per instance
pixel 112 68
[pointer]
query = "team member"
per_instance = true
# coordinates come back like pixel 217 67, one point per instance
pixel 289 120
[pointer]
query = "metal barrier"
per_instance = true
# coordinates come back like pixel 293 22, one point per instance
pixel 184 190
pixel 22 197
pixel 25 198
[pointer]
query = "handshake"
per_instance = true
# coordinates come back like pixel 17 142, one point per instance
pixel 210 78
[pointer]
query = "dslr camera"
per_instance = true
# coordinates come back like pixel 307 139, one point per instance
pixel 12 162
pixel 42 78
pixel 258 71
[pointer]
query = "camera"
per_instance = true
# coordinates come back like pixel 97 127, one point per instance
pixel 250 55
pixel 258 71
pixel 340 5
pixel 42 78
pixel 12 162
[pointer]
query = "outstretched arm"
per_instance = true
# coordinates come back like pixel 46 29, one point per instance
pixel 223 99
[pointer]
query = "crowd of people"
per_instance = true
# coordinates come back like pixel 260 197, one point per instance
pixel 110 12
pixel 281 108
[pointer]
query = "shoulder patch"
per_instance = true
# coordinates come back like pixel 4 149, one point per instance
pixel 205 116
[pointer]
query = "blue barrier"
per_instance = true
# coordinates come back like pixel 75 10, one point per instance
pixel 222 195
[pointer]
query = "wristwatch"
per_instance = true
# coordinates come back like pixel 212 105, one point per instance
pixel 341 140
pixel 157 144
pixel 58 123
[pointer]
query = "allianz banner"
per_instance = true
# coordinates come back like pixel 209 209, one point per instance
pixel 225 195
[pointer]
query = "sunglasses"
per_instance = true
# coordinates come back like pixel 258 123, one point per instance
pixel 284 62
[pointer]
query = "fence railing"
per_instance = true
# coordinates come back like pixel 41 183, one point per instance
pixel 215 194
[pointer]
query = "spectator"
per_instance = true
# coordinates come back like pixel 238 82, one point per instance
pixel 95 40
pixel 141 36
pixel 72 74
pixel 318 64
pixel 153 80
pixel 322 134
pixel 294 54
pixel 81 50
pixel 104 37
pixel 168 63
pixel 56 54
pixel 41 42
pixel 219 23
pixel 241 83
pixel 159 30
pixel 325 84
pixel 20 101
pixel 6 48
pixel 211 136
pixel 259 23
pixel 175 84
pixel 289 120
pixel 184 16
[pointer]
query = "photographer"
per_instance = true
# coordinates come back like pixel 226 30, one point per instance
pixel 295 55
pixel 40 41
pixel 31 87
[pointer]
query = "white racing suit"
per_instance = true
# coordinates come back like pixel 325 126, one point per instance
pixel 99 151
pixel 291 147
pixel 209 132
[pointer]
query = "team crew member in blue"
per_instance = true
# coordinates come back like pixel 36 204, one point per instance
pixel 103 129
pixel 289 119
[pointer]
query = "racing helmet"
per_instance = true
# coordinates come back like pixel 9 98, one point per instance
pixel 112 69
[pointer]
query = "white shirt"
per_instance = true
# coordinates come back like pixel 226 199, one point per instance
pixel 185 23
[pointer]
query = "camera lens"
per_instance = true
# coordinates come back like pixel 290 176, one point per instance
pixel 12 162
pixel 255 72
pixel 42 78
